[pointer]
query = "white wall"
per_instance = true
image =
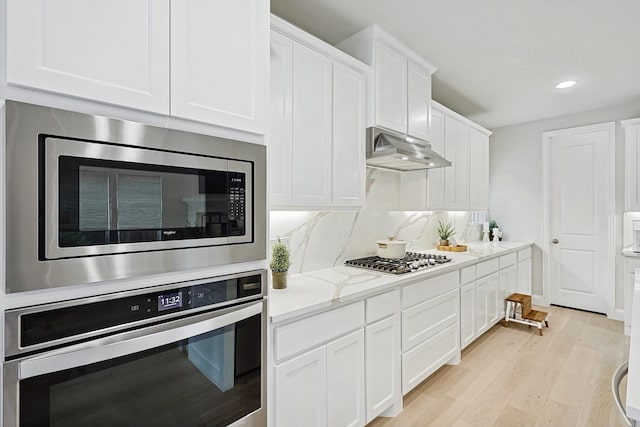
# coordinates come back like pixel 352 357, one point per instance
pixel 516 180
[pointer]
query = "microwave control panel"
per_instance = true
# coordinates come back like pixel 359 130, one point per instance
pixel 237 203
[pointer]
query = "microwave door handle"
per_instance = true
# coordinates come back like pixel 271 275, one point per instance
pixel 121 345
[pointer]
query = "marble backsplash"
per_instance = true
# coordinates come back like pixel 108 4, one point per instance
pixel 321 239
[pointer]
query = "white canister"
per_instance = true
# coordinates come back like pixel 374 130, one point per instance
pixel 391 248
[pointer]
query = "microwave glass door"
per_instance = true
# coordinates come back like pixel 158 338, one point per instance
pixel 211 379
pixel 113 199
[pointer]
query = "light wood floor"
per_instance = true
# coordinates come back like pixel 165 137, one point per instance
pixel 514 377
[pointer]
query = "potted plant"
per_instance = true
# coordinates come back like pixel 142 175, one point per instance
pixel 279 264
pixel 444 232
pixel 492 224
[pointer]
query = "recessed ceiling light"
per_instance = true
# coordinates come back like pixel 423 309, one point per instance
pixel 432 164
pixel 404 158
pixel 566 84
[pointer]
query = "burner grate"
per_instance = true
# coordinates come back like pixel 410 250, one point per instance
pixel 411 262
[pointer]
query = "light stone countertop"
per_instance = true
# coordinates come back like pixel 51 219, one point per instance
pixel 628 252
pixel 321 289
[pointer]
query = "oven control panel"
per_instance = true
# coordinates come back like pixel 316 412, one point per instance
pixel 57 323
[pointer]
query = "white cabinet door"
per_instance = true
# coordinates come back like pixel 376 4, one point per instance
pixel 478 170
pixel 311 127
pixel 301 391
pixel 279 138
pixel 508 285
pixel 418 101
pixel 482 294
pixel 348 136
pixel 456 177
pixel 435 177
pixel 632 165
pixel 390 88
pixel 219 62
pixel 345 381
pixel 467 314
pixel 114 51
pixel 493 298
pixel 382 349
pixel 524 276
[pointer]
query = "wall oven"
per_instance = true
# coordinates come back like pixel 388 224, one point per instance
pixel 92 198
pixel 184 354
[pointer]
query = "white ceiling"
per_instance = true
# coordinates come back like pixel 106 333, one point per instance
pixel 499 60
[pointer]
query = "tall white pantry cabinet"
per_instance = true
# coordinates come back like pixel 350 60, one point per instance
pixel 182 58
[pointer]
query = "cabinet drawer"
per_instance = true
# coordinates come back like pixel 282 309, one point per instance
pixel 509 259
pixel 487 267
pixel 426 358
pixel 524 253
pixel 296 337
pixel 427 289
pixel 427 319
pixel 382 306
pixel 467 275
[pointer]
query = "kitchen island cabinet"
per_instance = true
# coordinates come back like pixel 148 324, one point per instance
pixel 394 330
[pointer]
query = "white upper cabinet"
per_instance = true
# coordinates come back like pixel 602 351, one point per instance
pixel 390 77
pixel 348 137
pixel 435 177
pixel 316 137
pixel 219 62
pixel 401 90
pixel 311 127
pixel 418 101
pixel 280 132
pixel 465 184
pixel 113 51
pixel 195 59
pixel 632 164
pixel 456 176
pixel 478 170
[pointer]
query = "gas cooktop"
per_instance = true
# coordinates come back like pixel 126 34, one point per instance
pixel 411 262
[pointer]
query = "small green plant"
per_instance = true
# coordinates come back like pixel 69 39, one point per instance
pixel 493 224
pixel 445 230
pixel 279 257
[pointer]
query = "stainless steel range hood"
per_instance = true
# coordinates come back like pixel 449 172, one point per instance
pixel 390 150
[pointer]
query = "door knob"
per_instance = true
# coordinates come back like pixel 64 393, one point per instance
pixel 554 241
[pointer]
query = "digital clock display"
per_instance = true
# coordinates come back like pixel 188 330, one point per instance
pixel 169 301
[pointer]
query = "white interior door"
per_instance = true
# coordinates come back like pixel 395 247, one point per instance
pixel 580 208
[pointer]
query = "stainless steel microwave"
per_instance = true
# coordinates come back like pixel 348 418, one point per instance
pixel 92 198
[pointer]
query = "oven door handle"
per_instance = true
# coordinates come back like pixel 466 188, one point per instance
pixel 134 341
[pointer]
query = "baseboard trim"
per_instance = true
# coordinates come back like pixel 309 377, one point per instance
pixel 616 314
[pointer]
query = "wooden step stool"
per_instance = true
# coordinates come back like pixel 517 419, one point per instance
pixel 527 315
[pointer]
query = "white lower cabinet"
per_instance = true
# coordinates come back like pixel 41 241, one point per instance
pixel 430 331
pixel 467 314
pixel 508 285
pixel 382 351
pixel 524 271
pixel 301 391
pixel 345 381
pixel 324 387
pixel 487 306
pixel 423 360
